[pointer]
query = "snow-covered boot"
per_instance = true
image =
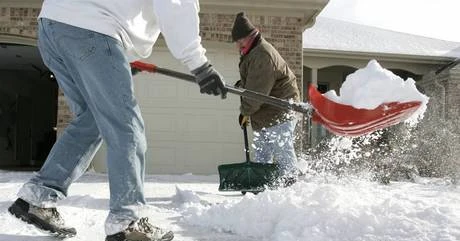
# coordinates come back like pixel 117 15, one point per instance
pixel 47 219
pixel 141 230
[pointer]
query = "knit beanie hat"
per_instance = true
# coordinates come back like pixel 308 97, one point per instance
pixel 242 27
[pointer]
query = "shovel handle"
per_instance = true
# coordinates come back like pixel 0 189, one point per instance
pixel 246 142
pixel 284 104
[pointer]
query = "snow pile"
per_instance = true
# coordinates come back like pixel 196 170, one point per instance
pixel 373 85
pixel 316 209
pixel 338 210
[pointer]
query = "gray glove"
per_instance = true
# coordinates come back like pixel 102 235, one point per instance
pixel 210 81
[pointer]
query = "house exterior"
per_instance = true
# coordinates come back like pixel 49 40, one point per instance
pixel 188 132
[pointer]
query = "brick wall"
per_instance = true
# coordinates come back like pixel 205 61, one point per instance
pixel 444 92
pixel 18 21
pixel 453 95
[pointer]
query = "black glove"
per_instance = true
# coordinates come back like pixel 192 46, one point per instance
pixel 210 81
pixel 243 120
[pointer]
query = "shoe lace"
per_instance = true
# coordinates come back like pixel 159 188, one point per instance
pixel 55 213
pixel 144 225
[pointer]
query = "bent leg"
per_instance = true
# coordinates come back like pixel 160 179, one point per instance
pixel 75 148
pixel 102 73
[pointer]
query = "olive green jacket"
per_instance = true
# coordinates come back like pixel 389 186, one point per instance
pixel 265 71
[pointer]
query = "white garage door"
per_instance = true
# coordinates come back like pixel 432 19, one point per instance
pixel 187 132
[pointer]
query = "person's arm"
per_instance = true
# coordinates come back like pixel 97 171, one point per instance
pixel 179 25
pixel 260 78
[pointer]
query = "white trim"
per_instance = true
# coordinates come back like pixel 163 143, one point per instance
pixel 416 68
pixel 16 39
pixel 22 3
pixel 420 59
pixel 314 76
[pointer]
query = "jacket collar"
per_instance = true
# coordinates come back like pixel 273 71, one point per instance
pixel 254 42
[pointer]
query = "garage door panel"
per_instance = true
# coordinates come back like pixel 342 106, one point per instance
pixel 237 154
pixel 147 87
pixel 159 121
pixel 206 158
pixel 160 129
pixel 158 155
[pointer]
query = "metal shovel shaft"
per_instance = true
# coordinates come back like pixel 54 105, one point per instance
pixel 284 104
pixel 246 143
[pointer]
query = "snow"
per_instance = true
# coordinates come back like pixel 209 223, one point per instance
pixel 337 35
pixel 373 85
pixel 317 208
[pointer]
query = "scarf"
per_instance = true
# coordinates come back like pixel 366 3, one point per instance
pixel 254 37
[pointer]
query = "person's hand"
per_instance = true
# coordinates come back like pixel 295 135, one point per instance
pixel 210 81
pixel 243 120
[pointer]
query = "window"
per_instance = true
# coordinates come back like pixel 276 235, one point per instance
pixel 323 87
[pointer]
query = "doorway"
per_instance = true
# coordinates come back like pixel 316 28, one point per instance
pixel 28 108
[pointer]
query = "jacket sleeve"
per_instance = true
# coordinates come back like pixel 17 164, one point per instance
pixel 260 78
pixel 179 24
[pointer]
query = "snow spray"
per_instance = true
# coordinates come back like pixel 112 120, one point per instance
pixel 416 148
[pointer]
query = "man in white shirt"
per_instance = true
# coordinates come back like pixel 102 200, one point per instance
pixel 88 45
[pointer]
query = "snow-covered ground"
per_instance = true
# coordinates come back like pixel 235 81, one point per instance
pixel 317 208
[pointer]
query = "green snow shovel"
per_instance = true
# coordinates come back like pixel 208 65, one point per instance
pixel 247 176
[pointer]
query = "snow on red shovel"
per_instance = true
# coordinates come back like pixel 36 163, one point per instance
pixel 340 119
pixel 346 120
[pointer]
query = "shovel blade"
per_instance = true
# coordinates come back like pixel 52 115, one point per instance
pixel 346 120
pixel 247 176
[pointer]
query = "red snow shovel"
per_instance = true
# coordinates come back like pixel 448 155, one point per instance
pixel 340 119
pixel 345 120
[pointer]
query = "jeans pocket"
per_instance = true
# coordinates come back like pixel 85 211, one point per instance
pixel 115 51
pixel 76 42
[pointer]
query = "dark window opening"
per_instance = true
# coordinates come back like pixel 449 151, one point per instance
pixel 323 87
pixel 28 108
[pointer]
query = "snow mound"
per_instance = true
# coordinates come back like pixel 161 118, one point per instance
pixel 338 210
pixel 373 85
pixel 185 196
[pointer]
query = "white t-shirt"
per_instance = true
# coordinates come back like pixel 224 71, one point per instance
pixel 137 24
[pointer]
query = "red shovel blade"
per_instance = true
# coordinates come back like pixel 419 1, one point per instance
pixel 346 120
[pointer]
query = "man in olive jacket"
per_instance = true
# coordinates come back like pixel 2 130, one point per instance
pixel 262 69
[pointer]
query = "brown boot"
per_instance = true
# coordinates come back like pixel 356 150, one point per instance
pixel 141 230
pixel 47 219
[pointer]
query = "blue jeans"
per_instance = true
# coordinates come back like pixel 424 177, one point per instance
pixel 95 76
pixel 275 144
